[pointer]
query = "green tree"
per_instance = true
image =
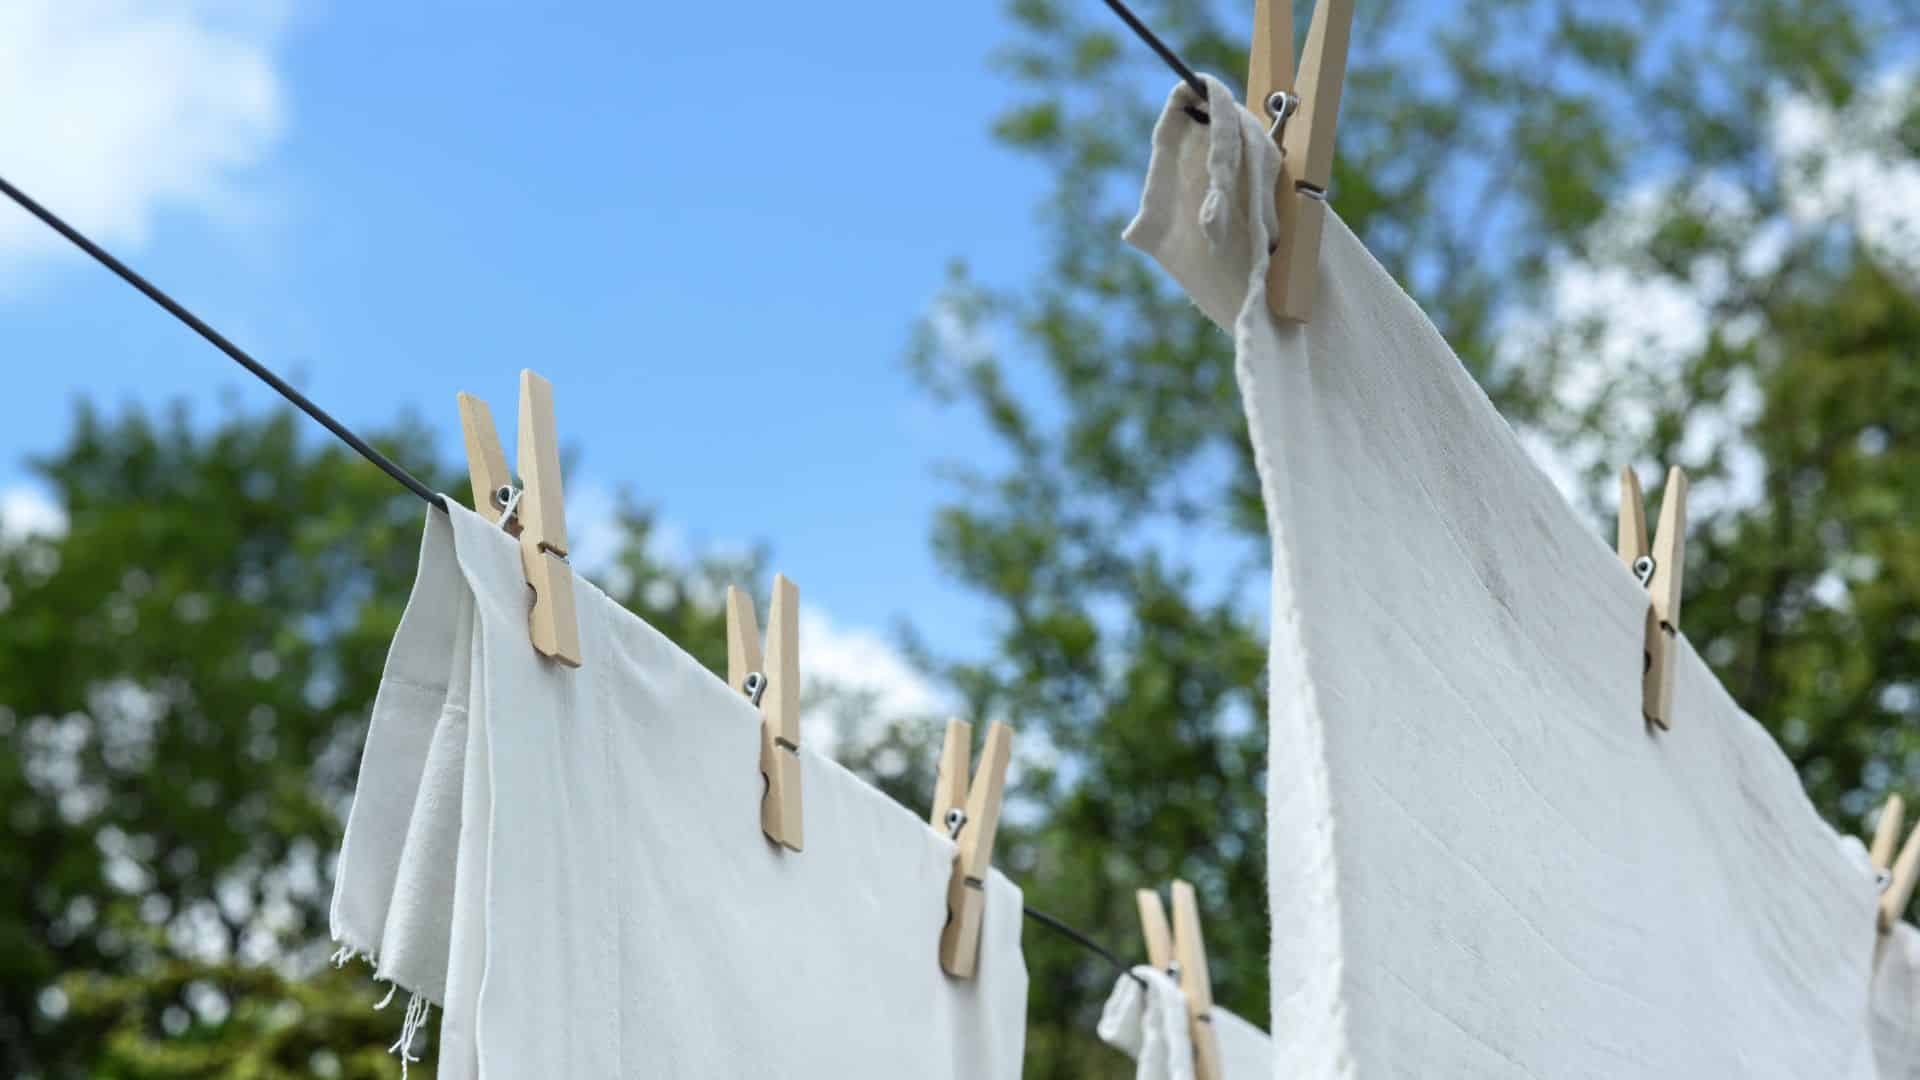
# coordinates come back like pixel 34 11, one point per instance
pixel 1508 160
pixel 186 672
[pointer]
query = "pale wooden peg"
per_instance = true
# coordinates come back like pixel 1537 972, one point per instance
pixel 1190 950
pixel 1153 927
pixel 486 461
pixel 543 506
pixel 1270 61
pixel 772 680
pixel 1906 869
pixel 743 639
pixel 967 884
pixel 542 512
pixel 1631 540
pixel 1669 566
pixel 1663 577
pixel 956 762
pixel 1307 139
pixel 1886 832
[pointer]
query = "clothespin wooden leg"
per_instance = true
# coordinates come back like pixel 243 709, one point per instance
pixel 950 787
pixel 967 885
pixel 1660 569
pixel 774 687
pixel 1195 980
pixel 780 719
pixel 486 462
pixel 543 526
pixel 1154 928
pixel 1306 138
pixel 1669 563
pixel 1886 832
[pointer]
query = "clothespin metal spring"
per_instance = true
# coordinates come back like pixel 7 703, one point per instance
pixel 1643 568
pixel 507 501
pixel 1281 105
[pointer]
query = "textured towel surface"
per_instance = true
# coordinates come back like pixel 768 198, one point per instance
pixel 1150 1025
pixel 1245 1050
pixel 1481 861
pixel 1896 1005
pixel 571 863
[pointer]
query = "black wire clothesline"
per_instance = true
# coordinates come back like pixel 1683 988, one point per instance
pixel 219 341
pixel 346 435
pixel 1179 66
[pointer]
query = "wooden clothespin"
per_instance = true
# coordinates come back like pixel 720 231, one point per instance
pixel 1659 569
pixel 774 687
pixel 1901 872
pixel 1184 953
pixel 972 827
pixel 1305 114
pixel 539 510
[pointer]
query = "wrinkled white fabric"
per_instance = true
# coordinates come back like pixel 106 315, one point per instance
pixel 1481 861
pixel 1896 1005
pixel 1245 1050
pixel 1150 1025
pixel 571 863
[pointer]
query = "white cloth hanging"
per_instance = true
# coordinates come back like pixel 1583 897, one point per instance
pixel 571 863
pixel 1896 1005
pixel 1245 1050
pixel 1149 1024
pixel 1481 863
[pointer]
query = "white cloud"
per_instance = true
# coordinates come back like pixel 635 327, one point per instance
pixel 112 110
pixel 26 511
pixel 858 661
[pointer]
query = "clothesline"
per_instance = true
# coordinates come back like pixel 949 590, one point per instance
pixel 1161 49
pixel 387 465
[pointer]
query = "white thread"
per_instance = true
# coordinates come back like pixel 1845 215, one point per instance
pixel 418 1009
pixel 385 1001
pixel 341 955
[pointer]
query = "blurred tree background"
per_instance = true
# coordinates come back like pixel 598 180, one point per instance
pixel 1655 232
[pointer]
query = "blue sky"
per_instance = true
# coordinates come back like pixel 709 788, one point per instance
pixel 713 236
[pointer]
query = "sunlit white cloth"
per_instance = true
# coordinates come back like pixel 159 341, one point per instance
pixel 1149 1024
pixel 1481 862
pixel 1896 1005
pixel 571 863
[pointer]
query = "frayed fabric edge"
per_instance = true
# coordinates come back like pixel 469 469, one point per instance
pixel 419 1007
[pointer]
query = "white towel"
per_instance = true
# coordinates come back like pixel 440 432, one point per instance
pixel 1245 1051
pixel 1481 863
pixel 1896 1005
pixel 1149 1024
pixel 571 863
